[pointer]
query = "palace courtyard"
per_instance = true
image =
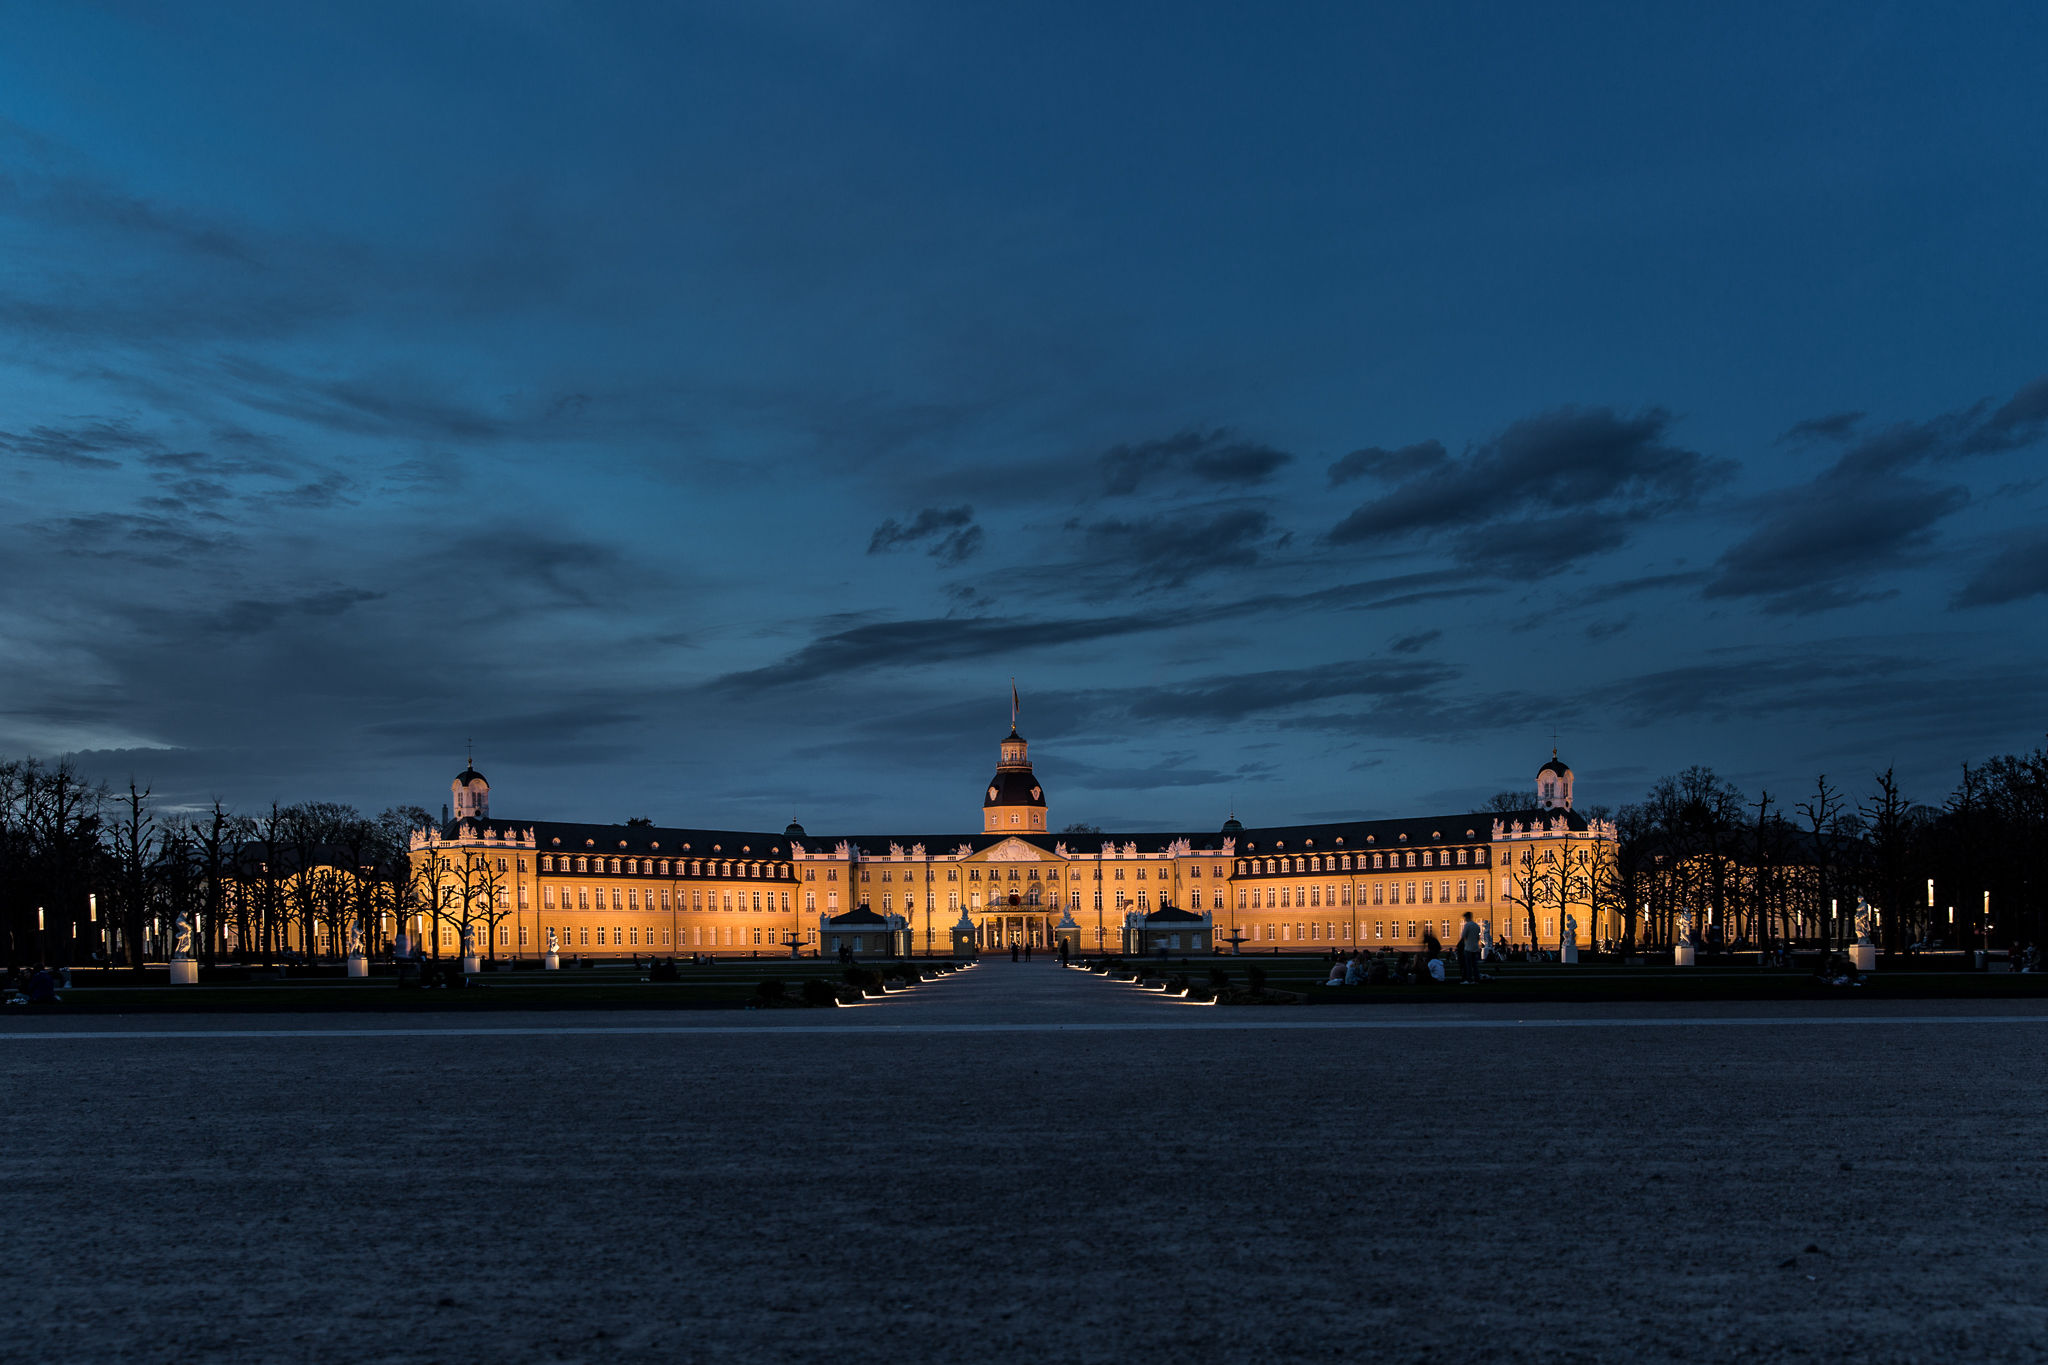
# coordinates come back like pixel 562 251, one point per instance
pixel 1021 1162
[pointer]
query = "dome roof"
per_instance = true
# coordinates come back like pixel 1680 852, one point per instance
pixel 1014 787
pixel 1554 766
pixel 1233 826
pixel 468 775
pixel 795 831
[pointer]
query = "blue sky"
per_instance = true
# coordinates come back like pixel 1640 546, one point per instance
pixel 708 409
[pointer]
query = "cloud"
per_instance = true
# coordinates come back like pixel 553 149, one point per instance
pixel 866 646
pixel 2020 421
pixel 1203 457
pixel 1414 644
pixel 1550 490
pixel 1816 543
pixel 84 446
pixel 1836 426
pixel 1817 546
pixel 1167 552
pixel 951 530
pixel 2018 571
pixel 1404 463
pixel 1232 696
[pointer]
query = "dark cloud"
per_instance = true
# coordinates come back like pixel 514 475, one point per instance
pixel 1548 491
pixel 1393 465
pixel 2019 421
pixel 87 445
pixel 864 646
pixel 1816 547
pixel 2018 571
pixel 1836 426
pixel 951 530
pixel 1414 644
pixel 252 616
pixel 1202 457
pixel 1166 552
pixel 1232 696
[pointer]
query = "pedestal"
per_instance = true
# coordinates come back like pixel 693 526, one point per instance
pixel 1864 955
pixel 358 965
pixel 472 964
pixel 552 962
pixel 1570 953
pixel 184 971
pixel 1683 954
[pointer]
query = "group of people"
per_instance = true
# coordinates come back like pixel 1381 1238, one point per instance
pixel 1363 968
pixel 34 987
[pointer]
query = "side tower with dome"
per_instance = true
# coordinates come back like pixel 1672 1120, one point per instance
pixel 470 795
pixel 1554 785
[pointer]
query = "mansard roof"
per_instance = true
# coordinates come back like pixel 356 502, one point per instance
pixel 1425 831
pixel 569 836
pixel 566 836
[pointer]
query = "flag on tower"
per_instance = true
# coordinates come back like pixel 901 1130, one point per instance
pixel 1013 703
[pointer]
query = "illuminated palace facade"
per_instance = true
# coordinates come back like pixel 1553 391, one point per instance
pixel 635 890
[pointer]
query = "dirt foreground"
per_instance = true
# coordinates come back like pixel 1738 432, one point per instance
pixel 1022 1163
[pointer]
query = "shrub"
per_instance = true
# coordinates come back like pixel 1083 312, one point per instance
pixel 1218 978
pixel 1257 976
pixel 771 989
pixel 818 991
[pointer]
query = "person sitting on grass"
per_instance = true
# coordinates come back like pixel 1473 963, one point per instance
pixel 1336 973
pixel 1354 971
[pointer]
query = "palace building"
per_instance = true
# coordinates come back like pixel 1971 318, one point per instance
pixel 637 889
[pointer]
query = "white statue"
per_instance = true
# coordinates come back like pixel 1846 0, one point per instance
pixel 1685 926
pixel 552 947
pixel 468 941
pixel 1571 929
pixel 183 932
pixel 355 938
pixel 1865 920
pixel 1486 938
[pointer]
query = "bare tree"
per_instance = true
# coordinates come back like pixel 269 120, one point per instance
pixel 134 867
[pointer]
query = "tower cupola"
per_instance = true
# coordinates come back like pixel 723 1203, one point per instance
pixel 471 793
pixel 1014 802
pixel 1554 784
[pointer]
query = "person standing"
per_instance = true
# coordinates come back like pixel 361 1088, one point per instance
pixel 1468 951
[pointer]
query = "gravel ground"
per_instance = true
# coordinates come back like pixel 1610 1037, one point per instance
pixel 895 1186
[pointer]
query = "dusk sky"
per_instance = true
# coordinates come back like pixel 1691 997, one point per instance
pixel 710 409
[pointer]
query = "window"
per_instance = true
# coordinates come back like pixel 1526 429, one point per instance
pixel 522 936
pixel 600 936
pixel 1376 927
pixel 547 897
pixel 1425 893
pixel 585 940
pixel 1379 893
pixel 1443 893
pixel 633 935
pixel 1240 900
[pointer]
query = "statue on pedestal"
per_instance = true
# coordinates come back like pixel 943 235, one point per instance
pixel 182 933
pixel 468 941
pixel 1571 930
pixel 552 946
pixel 1866 920
pixel 355 938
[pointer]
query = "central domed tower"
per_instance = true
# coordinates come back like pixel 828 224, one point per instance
pixel 1015 803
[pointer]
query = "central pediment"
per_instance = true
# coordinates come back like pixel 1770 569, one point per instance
pixel 1016 851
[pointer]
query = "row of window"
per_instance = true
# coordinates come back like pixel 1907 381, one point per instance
pixel 1341 862
pixel 657 867
pixel 635 898
pixel 1383 893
